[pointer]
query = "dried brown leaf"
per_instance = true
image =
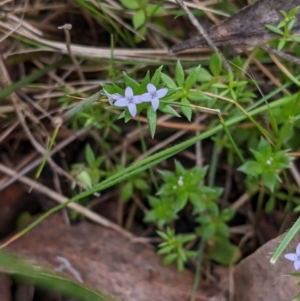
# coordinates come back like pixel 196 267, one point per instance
pixel 247 27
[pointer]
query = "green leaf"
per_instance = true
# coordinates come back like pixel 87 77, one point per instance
pixel 164 250
pixel 138 19
pixel 222 229
pixel 186 110
pixel 281 44
pixel 163 235
pixel 141 184
pixel 270 205
pixel 281 24
pixel 117 89
pixel 188 238
pixel 270 179
pixel 167 175
pixel 169 258
pixel 197 96
pixel 109 89
pixel 156 76
pixel 152 119
pixel 200 174
pixel 274 29
pixel 204 219
pixel 168 110
pixel 126 191
pixel 180 170
pixel 295 38
pixel 168 81
pixel 89 155
pixel 191 78
pixel 129 82
pixel 224 252
pixel 143 85
pixel 141 33
pixel 227 214
pixel 181 200
pixel 180 265
pixel 130 4
pixel 206 231
pixel 251 168
pixel 181 254
pixel 179 74
pixel 203 76
pixel 215 64
pixel 264 147
pixel 85 179
pixel 291 25
pixel 154 10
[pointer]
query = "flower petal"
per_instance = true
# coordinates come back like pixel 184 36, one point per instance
pixel 161 92
pixel 151 88
pixel 146 97
pixel 137 99
pixel 128 92
pixel 116 96
pixel 132 109
pixel 291 256
pixel 121 102
pixel 155 103
pixel 297 264
pixel 113 97
pixel 298 250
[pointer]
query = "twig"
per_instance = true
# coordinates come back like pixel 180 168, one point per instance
pixel 281 54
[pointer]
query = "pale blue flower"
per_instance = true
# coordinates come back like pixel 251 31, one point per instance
pixel 153 95
pixel 112 97
pixel 129 100
pixel 294 257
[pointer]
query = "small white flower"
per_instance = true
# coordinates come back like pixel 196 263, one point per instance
pixel 294 257
pixel 180 181
pixel 269 161
pixel 153 95
pixel 112 97
pixel 129 100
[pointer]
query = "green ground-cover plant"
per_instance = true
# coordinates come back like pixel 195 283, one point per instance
pixel 160 93
pixel 260 152
pixel 283 29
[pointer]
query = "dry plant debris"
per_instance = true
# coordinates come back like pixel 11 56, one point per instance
pixel 42 65
pixel 247 27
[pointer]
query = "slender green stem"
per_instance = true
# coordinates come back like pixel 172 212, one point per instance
pixel 46 156
pixel 286 241
pixel 198 269
pixel 286 128
pixel 239 154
